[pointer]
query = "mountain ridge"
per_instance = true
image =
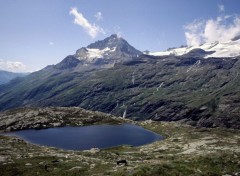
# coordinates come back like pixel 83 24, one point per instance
pixel 6 76
pixel 214 49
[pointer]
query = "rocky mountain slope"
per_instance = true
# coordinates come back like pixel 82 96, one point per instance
pixel 187 88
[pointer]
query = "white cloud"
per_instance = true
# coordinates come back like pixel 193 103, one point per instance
pixel 223 29
pixel 192 39
pixel 221 8
pixel 117 30
pixel 12 66
pixel 98 16
pixel 51 43
pixel 222 18
pixel 91 29
pixel 194 33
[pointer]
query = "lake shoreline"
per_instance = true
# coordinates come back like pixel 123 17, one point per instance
pixel 43 118
pixel 183 151
pixel 86 137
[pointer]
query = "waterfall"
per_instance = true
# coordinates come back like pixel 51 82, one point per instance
pixel 133 77
pixel 124 114
pixel 160 86
pixel 114 108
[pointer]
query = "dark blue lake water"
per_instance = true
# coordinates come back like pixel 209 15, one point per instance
pixel 87 137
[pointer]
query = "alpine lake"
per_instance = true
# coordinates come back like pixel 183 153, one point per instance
pixel 87 137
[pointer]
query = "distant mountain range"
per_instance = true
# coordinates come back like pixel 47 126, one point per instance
pixel 6 76
pixel 112 76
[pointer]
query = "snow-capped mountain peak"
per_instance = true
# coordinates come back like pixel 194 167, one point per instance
pixel 109 51
pixel 214 49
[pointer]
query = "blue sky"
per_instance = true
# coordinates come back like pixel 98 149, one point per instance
pixel 36 33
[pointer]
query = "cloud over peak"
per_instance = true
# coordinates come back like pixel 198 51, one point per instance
pixel 98 16
pixel 51 43
pixel 222 29
pixel 12 66
pixel 91 29
pixel 221 8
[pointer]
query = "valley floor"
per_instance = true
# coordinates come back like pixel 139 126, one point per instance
pixel 185 151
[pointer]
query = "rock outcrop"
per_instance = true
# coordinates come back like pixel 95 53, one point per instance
pixel 38 118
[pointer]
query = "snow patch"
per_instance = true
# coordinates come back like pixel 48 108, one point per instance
pixel 91 54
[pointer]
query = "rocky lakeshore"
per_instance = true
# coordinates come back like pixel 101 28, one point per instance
pixel 186 150
pixel 39 118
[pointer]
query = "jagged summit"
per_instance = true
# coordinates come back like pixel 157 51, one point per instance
pixel 112 41
pixel 107 52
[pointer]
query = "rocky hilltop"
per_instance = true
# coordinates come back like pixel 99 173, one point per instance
pixel 38 118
